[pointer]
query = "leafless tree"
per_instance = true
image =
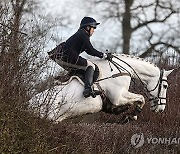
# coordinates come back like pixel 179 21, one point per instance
pixel 24 34
pixel 146 26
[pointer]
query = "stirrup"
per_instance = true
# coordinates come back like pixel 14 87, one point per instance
pixel 94 93
pixel 90 92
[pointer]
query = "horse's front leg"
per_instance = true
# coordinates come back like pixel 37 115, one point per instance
pixel 136 99
pixel 118 94
pixel 126 98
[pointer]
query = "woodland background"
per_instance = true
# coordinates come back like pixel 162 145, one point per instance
pixel 146 29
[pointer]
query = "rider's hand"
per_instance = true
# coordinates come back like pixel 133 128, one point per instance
pixel 108 56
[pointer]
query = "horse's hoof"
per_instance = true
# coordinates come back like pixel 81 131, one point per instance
pixel 134 117
pixel 128 118
pixel 125 119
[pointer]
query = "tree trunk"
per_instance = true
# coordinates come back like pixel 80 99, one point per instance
pixel 126 26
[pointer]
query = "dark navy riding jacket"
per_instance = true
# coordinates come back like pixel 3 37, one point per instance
pixel 76 44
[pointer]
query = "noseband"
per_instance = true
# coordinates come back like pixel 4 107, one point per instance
pixel 158 98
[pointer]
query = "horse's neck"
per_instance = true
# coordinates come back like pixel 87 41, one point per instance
pixel 145 70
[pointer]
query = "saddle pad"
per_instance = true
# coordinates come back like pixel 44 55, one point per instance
pixel 65 78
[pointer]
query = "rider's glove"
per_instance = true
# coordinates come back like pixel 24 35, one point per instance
pixel 108 56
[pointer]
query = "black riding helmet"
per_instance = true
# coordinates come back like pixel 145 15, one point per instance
pixel 88 21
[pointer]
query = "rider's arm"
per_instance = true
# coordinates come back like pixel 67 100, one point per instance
pixel 89 49
pixel 92 51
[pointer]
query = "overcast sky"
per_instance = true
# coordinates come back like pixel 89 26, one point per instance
pixel 77 10
pixel 70 7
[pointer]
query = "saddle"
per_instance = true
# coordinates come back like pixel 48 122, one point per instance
pixel 56 52
pixel 79 74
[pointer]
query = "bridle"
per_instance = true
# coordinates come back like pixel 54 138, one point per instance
pixel 156 99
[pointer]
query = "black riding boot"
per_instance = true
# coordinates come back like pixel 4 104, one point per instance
pixel 88 90
pixel 88 81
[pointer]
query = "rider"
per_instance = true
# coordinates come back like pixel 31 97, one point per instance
pixel 75 45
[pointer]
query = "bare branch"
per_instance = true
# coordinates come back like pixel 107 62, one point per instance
pixel 140 25
pixel 153 46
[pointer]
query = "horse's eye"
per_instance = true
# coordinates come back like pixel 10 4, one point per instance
pixel 165 86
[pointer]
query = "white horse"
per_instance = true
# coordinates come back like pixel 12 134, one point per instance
pixel 66 100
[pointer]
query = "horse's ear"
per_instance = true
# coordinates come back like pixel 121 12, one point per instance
pixel 169 72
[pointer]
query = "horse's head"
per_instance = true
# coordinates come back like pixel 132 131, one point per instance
pixel 158 89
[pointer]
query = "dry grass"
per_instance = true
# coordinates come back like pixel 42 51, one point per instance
pixel 100 133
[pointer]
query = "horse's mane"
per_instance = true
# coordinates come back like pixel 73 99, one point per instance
pixel 134 57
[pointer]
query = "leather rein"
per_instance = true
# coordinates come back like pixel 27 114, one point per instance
pixel 156 99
